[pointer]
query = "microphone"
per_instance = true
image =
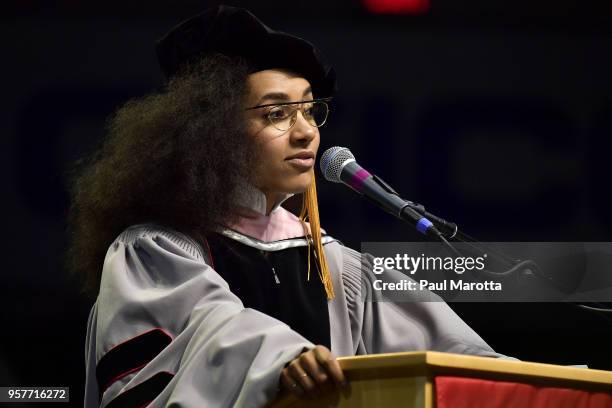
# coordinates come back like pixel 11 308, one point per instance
pixel 338 165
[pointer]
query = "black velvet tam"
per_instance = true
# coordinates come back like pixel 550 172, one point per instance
pixel 235 31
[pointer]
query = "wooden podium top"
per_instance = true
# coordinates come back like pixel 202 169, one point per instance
pixel 400 376
pixel 431 363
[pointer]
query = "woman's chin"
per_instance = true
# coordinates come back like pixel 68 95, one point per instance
pixel 295 190
pixel 299 184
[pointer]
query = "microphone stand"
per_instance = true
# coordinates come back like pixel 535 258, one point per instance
pixel 446 231
pixel 514 264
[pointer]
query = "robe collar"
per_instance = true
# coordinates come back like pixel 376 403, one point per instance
pixel 254 199
pixel 253 222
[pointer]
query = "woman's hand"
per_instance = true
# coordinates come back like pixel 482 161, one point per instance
pixel 313 373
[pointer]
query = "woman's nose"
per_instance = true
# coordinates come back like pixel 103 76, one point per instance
pixel 302 129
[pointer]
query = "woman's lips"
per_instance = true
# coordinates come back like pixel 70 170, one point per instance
pixel 302 163
pixel 303 160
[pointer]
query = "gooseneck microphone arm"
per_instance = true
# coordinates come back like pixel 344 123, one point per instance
pixel 446 228
pixel 449 230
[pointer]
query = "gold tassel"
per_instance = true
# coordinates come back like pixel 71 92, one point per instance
pixel 310 210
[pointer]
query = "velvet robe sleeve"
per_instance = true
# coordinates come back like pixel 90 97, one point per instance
pixel 166 330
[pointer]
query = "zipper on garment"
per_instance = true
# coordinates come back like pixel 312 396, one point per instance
pixel 265 256
pixel 275 275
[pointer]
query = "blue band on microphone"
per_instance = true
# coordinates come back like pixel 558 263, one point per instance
pixel 423 225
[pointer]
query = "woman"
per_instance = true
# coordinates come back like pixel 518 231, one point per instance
pixel 209 294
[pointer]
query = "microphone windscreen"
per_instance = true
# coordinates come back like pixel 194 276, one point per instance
pixel 332 162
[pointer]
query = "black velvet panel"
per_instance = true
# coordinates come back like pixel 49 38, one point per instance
pixel 300 303
pixel 129 356
pixel 143 393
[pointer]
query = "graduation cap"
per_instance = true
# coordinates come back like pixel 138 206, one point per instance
pixel 234 31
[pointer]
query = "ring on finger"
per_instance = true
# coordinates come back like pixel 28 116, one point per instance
pixel 303 379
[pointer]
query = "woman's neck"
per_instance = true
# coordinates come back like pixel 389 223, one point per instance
pixel 272 199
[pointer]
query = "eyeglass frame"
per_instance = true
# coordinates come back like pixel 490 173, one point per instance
pixel 323 100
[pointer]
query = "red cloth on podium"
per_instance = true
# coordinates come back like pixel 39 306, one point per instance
pixel 460 392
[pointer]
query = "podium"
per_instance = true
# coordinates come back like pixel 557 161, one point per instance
pixel 414 379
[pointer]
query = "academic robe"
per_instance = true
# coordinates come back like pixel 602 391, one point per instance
pixel 167 329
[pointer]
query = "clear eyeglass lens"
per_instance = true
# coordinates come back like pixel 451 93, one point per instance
pixel 283 117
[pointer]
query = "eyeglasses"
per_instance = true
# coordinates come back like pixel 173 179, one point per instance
pixel 284 115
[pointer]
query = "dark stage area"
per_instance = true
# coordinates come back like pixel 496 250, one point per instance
pixel 496 115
